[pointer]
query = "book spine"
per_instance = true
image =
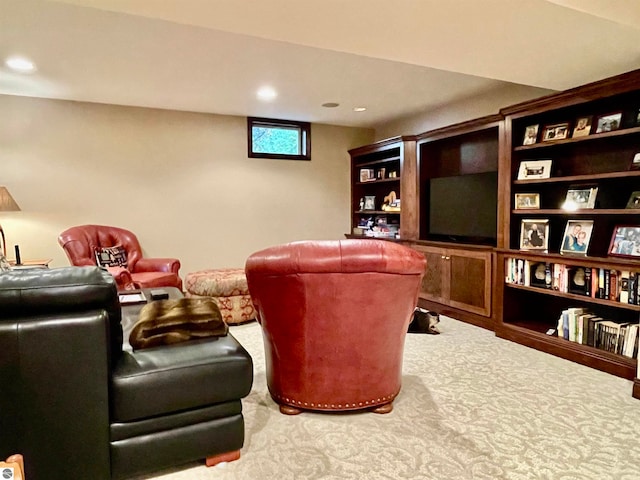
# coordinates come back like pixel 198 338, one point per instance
pixel 607 284
pixel 600 283
pixel 587 282
pixel 624 286
pixel 632 288
pixel 614 288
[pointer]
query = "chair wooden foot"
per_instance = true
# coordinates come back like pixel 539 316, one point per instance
pixel 386 408
pixel 289 410
pixel 222 457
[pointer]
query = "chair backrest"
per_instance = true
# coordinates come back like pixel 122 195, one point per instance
pixel 335 315
pixel 80 243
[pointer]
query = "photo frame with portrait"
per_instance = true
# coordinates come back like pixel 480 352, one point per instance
pixel 369 202
pixel 527 201
pixel 580 198
pixel 534 169
pixel 534 234
pixel 634 201
pixel 530 135
pixel 558 131
pixel 576 238
pixel 367 175
pixel 582 127
pixel 609 122
pixel 625 241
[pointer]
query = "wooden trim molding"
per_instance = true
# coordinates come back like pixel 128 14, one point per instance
pixel 636 388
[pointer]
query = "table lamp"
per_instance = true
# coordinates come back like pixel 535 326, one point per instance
pixel 7 204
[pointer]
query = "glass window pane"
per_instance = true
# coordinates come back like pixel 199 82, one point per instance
pixel 276 140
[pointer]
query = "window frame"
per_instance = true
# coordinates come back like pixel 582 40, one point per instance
pixel 303 127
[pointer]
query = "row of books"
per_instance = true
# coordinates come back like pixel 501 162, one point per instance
pixel 603 283
pixel 581 326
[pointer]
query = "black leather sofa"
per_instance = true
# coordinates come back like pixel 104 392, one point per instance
pixel 78 405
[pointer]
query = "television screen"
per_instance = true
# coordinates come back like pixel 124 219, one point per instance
pixel 464 207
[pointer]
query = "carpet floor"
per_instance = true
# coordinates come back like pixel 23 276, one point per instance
pixel 472 406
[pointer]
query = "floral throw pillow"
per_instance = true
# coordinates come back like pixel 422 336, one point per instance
pixel 111 256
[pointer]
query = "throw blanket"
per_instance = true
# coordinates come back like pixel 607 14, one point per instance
pixel 165 322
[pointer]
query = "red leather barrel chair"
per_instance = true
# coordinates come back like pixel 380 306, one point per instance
pixel 82 242
pixel 334 316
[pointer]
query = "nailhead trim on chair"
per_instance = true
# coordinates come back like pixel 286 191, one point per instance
pixel 333 406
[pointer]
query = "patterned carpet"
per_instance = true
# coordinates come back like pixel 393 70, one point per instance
pixel 472 406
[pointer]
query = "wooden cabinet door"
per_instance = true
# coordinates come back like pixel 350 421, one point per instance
pixel 434 285
pixel 470 281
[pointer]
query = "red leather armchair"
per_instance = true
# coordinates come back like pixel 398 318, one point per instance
pixel 81 243
pixel 334 316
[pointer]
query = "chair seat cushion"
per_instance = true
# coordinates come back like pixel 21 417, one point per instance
pixel 156 279
pixel 190 375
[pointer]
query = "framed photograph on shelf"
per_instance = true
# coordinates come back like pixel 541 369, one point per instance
pixel 534 234
pixel 555 132
pixel 635 162
pixel 577 235
pixel 580 198
pixel 367 175
pixel 582 128
pixel 625 241
pixel 369 202
pixel 609 123
pixel 530 135
pixel 534 169
pixel 527 201
pixel 634 200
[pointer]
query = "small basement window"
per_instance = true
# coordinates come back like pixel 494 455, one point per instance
pixel 281 139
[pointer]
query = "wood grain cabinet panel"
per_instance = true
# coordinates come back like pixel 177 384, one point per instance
pixel 457 277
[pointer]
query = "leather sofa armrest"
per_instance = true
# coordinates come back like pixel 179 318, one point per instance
pixel 58 291
pixel 158 265
pixel 55 400
pixel 123 278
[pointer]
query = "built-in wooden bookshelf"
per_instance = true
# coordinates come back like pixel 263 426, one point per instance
pixel 392 163
pixel 529 314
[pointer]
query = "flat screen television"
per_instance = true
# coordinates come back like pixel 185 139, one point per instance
pixel 464 208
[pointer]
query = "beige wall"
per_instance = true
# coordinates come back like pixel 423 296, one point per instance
pixel 487 103
pixel 181 181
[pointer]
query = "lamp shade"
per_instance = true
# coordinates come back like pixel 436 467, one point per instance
pixel 7 203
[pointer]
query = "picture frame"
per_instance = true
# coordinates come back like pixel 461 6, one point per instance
pixel 557 131
pixel 367 175
pixel 625 241
pixel 534 169
pixel 582 127
pixel 634 201
pixel 576 238
pixel 608 122
pixel 530 135
pixel 369 202
pixel 580 198
pixel 534 234
pixel 527 201
pixel 635 162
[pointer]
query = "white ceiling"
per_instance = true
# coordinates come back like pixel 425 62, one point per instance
pixel 396 57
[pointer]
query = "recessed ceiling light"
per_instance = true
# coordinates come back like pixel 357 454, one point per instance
pixel 20 64
pixel 267 93
pixel 359 109
pixel 330 105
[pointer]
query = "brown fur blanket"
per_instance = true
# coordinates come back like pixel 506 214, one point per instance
pixel 165 322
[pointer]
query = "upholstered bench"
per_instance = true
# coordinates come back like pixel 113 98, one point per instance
pixel 228 287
